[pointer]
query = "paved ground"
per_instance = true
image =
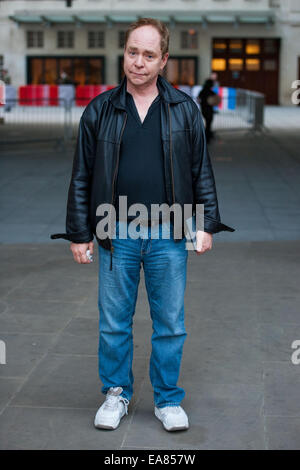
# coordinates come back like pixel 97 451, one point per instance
pixel 242 312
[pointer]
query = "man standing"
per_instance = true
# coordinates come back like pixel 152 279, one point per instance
pixel 208 99
pixel 145 140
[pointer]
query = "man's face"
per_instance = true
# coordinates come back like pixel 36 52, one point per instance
pixel 143 57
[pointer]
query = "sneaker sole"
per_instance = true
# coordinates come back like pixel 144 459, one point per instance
pixel 173 428
pixel 106 426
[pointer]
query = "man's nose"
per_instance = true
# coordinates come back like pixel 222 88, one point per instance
pixel 139 62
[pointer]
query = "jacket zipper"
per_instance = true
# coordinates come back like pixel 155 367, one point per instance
pixel 171 156
pixel 113 183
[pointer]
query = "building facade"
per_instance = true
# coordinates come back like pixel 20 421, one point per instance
pixel 250 44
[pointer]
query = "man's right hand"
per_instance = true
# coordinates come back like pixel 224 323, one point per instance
pixel 79 251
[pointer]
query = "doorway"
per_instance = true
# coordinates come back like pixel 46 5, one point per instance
pixel 249 63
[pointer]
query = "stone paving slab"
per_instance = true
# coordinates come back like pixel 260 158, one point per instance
pixel 236 368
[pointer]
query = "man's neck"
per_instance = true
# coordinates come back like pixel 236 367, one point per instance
pixel 141 93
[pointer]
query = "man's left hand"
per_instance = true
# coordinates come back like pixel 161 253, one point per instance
pixel 204 242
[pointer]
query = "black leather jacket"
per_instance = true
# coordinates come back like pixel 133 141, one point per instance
pixel 189 176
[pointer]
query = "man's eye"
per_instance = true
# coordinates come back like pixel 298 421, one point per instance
pixel 131 52
pixel 150 56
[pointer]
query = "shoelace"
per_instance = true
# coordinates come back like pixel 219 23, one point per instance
pixel 112 401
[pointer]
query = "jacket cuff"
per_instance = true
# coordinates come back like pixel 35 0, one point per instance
pixel 75 237
pixel 214 226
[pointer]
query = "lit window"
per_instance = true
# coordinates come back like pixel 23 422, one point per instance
pixel 252 46
pixel 218 64
pixel 220 46
pixel 235 64
pixel 236 46
pixel 252 65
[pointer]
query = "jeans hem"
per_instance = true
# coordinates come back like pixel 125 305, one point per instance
pixel 121 395
pixel 168 404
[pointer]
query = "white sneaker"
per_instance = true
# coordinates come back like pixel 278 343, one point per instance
pixel 112 410
pixel 173 418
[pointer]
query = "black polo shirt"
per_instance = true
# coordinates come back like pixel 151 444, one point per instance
pixel 141 166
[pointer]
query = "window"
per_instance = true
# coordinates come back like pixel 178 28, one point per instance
pixel 270 65
pixel 50 70
pixel 252 65
pixel 236 64
pixel 172 72
pixel 252 46
pixel 95 39
pixel 121 39
pixel 189 39
pixel 235 46
pixel 181 71
pixel 36 67
pixel 76 70
pixel 95 71
pixel 270 46
pixel 218 65
pixel 65 70
pixel 65 39
pixel 35 39
pixel 219 46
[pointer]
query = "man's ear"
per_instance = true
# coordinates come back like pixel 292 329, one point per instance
pixel 164 59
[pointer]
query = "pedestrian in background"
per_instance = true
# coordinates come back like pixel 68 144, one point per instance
pixel 207 99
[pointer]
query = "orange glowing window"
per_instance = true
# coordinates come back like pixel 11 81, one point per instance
pixel 235 64
pixel 252 47
pixel 252 64
pixel 220 46
pixel 236 46
pixel 218 64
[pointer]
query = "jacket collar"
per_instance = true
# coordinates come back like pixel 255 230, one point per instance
pixel 166 90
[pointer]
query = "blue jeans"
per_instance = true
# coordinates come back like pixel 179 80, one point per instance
pixel 164 263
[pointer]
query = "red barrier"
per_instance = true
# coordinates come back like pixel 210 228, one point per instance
pixel 53 95
pixel 48 95
pixel 2 94
pixel 38 95
pixel 85 93
pixel 24 95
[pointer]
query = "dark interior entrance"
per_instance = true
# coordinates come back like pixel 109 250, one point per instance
pixel 54 70
pixel 250 63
